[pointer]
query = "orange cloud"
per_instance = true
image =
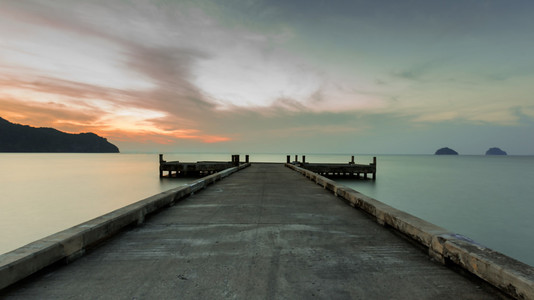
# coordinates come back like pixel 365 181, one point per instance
pixel 130 124
pixel 159 136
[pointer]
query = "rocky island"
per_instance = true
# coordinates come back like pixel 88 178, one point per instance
pixel 446 151
pixel 23 138
pixel 495 151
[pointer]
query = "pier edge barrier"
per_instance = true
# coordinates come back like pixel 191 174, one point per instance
pixel 511 276
pixel 71 243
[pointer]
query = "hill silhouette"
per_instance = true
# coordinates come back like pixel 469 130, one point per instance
pixel 495 151
pixel 446 151
pixel 23 138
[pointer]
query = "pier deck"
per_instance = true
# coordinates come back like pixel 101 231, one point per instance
pixel 341 170
pixel 336 170
pixel 265 232
pixel 198 169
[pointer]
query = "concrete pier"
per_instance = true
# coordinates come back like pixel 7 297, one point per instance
pixel 196 169
pixel 337 170
pixel 265 232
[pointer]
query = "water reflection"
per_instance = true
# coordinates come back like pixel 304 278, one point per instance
pixel 41 194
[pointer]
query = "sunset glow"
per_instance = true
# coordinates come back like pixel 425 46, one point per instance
pixel 356 77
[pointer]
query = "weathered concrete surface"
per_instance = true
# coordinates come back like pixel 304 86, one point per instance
pixel 263 233
pixel 71 243
pixel 511 276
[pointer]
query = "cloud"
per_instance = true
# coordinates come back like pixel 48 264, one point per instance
pixel 183 54
pixel 189 73
pixel 45 113
pixel 170 101
pixel 78 107
pixel 421 69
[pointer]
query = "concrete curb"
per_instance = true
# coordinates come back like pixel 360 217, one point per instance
pixel 509 275
pixel 71 243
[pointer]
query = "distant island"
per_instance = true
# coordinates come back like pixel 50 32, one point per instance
pixel 495 151
pixel 446 151
pixel 23 138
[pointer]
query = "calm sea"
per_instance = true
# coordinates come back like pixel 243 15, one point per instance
pixel 486 198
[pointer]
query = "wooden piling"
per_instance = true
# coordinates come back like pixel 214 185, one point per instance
pixel 160 167
pixel 235 159
pixel 183 169
pixel 374 164
pixel 348 170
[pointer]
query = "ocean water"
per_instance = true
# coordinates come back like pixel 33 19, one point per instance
pixel 486 198
pixel 489 199
pixel 41 194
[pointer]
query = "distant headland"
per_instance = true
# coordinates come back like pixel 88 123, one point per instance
pixel 449 151
pixel 446 151
pixel 495 151
pixel 23 138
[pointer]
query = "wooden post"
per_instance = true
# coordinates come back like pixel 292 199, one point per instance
pixel 296 158
pixel 352 160
pixel 235 159
pixel 374 164
pixel 160 167
pixel 246 159
pixel 303 159
pixel 288 158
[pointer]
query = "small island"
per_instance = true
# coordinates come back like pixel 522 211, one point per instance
pixel 446 151
pixel 23 138
pixel 495 151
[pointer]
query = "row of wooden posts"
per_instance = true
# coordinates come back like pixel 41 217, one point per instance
pixel 348 170
pixel 288 159
pixel 202 168
pixel 235 159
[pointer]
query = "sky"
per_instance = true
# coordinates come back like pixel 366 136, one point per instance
pixel 273 76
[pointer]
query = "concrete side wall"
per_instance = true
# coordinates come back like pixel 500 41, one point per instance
pixel 513 277
pixel 71 243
